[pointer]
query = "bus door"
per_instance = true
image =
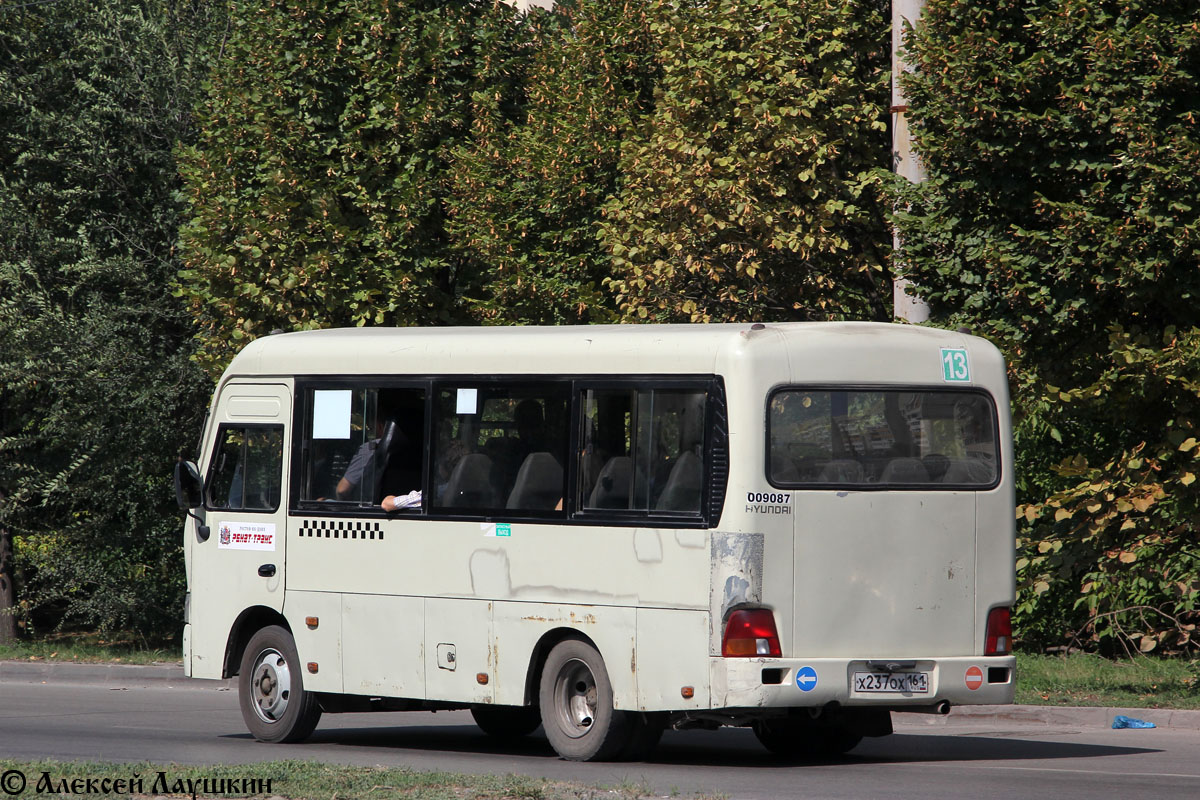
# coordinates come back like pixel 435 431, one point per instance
pixel 241 563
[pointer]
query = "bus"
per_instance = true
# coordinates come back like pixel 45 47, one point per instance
pixel 606 531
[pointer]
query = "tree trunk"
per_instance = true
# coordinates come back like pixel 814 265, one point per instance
pixel 8 595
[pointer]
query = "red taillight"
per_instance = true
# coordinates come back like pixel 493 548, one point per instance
pixel 998 639
pixel 750 633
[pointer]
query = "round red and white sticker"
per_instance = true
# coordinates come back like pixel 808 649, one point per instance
pixel 974 678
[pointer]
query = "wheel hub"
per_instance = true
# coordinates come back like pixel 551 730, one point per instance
pixel 271 686
pixel 577 699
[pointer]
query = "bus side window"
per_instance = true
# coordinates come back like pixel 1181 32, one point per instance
pixel 400 453
pixel 362 445
pixel 501 447
pixel 678 450
pixel 606 468
pixel 642 450
pixel 246 473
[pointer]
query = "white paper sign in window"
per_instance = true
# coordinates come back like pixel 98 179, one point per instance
pixel 468 401
pixel 331 414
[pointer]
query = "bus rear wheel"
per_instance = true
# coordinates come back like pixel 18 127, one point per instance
pixel 576 700
pixel 275 705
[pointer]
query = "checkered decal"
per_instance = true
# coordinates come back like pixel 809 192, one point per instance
pixel 340 529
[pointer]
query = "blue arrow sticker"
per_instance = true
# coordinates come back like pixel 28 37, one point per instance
pixel 806 679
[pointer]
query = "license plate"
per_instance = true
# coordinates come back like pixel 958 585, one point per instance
pixel 893 682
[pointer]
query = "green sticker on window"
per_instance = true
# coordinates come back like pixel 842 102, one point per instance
pixel 954 365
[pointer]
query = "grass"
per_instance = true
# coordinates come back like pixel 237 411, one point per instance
pixel 296 779
pixel 1081 679
pixel 88 649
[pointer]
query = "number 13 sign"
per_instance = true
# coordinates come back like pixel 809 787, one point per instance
pixel 954 365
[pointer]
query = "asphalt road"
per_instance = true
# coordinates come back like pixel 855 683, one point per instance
pixel 967 757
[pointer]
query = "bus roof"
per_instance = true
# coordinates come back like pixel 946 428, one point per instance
pixel 815 351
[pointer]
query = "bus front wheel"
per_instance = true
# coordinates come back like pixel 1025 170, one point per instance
pixel 275 705
pixel 576 700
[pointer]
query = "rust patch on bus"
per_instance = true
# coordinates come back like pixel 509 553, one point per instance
pixel 737 568
pixel 572 618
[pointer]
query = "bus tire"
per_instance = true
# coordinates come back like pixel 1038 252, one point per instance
pixel 275 705
pixel 576 700
pixel 506 722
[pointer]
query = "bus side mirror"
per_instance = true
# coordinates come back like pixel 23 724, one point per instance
pixel 189 489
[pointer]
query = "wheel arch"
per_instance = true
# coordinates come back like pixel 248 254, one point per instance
pixel 248 623
pixel 537 659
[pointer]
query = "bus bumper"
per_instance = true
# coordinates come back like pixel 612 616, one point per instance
pixel 817 682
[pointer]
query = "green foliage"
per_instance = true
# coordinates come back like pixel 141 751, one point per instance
pixel 1062 143
pixel 85 648
pixel 749 191
pixel 319 182
pixel 99 393
pixel 1126 532
pixel 527 197
pixel 436 163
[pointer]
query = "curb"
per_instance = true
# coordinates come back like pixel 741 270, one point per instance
pixel 114 676
pixel 1081 716
pixel 1085 716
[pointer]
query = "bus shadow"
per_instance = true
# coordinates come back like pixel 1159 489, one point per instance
pixel 729 747
pixel 898 748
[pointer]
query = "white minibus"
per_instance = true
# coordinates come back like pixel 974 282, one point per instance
pixel 607 530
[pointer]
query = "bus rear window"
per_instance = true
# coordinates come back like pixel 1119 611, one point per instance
pixel 882 439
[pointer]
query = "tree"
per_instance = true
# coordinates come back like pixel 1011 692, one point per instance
pixel 527 195
pixel 1061 219
pixel 318 185
pixel 99 392
pixel 749 191
pixel 8 589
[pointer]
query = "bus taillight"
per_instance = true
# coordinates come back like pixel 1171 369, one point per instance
pixel 998 641
pixel 750 632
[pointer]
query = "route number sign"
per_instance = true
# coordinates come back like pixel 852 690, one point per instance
pixel 955 368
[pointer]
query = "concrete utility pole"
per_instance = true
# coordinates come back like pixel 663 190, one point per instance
pixel 904 160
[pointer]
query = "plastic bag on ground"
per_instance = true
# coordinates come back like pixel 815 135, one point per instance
pixel 1122 721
